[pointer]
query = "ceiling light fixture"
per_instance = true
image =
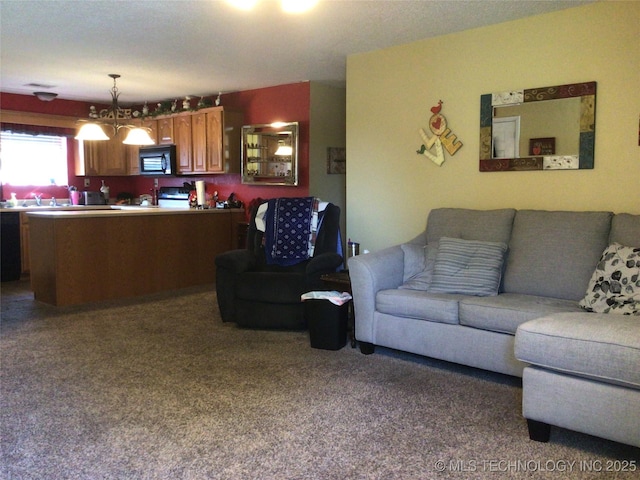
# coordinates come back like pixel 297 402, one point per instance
pixel 112 116
pixel 289 6
pixel 298 6
pixel 45 96
pixel 243 4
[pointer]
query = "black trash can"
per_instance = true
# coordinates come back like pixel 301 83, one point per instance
pixel 327 324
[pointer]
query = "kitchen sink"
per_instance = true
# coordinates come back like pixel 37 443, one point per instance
pixel 50 206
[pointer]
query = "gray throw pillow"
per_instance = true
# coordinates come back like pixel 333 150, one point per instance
pixel 468 267
pixel 418 265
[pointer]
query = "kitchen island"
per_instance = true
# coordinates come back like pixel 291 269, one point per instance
pixel 94 255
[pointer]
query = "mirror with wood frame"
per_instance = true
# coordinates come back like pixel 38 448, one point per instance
pixel 548 128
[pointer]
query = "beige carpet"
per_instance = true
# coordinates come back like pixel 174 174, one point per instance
pixel 160 388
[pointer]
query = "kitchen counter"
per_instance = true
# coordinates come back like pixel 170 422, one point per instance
pixel 107 208
pixel 42 208
pixel 128 210
pixel 89 255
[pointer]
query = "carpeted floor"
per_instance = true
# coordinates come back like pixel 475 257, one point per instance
pixel 159 388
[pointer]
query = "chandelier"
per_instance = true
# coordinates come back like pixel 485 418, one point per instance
pixel 113 116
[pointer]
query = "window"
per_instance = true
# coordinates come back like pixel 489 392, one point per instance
pixel 33 159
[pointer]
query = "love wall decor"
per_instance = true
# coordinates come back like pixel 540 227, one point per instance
pixel 442 137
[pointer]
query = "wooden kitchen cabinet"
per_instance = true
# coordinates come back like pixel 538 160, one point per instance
pixel 108 157
pixel 133 159
pixel 86 158
pixel 207 141
pixel 132 152
pixel 69 247
pixel 215 141
pixel 165 130
pixel 199 144
pixel 114 159
pixel 182 125
pixel 152 125
pixel 25 258
pixel 215 134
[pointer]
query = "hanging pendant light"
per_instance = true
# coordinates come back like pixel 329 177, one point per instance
pixel 138 136
pixel 91 132
pixel 283 150
pixel 111 116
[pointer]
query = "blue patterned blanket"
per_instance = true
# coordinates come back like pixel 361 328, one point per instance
pixel 290 230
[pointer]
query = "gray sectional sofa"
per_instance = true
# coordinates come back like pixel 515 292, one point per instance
pixel 506 291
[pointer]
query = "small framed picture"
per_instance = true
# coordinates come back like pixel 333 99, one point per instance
pixel 336 160
pixel 542 146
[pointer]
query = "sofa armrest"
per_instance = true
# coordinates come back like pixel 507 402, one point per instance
pixel 369 274
pixel 236 261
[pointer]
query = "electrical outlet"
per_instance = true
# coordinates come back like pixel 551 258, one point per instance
pixel 155 182
pixel 87 182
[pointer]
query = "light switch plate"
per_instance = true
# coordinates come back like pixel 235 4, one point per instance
pixel 87 182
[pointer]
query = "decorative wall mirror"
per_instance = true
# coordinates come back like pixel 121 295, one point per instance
pixel 549 128
pixel 270 154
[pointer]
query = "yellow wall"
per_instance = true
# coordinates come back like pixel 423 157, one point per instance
pixel 391 189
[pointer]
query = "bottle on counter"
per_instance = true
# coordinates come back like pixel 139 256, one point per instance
pixel 14 200
pixel 104 190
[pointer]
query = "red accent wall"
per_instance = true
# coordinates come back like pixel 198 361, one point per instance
pixel 287 103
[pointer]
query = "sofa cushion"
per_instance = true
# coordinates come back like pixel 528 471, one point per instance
pixel 418 265
pixel 625 229
pixel 615 284
pixel 435 307
pixel 487 225
pixel 553 254
pixel 505 312
pixel 414 257
pixel 468 267
pixel 593 345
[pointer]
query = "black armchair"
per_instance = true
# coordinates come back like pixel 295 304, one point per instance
pixel 256 293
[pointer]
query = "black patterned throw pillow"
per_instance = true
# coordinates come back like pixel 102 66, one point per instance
pixel 615 284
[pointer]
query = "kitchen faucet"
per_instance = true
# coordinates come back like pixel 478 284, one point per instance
pixel 38 200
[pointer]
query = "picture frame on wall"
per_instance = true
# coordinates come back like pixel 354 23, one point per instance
pixel 542 146
pixel 336 160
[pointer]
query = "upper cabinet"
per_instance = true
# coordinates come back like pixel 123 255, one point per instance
pixel 215 142
pixel 181 136
pixel 270 154
pixel 165 130
pixel 110 157
pixel 207 142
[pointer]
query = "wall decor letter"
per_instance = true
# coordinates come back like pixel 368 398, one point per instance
pixel 442 136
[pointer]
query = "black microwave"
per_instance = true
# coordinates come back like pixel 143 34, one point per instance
pixel 158 160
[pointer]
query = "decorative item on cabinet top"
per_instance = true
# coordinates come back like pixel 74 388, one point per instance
pixel 270 154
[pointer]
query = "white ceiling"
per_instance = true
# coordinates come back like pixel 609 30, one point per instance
pixel 169 49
